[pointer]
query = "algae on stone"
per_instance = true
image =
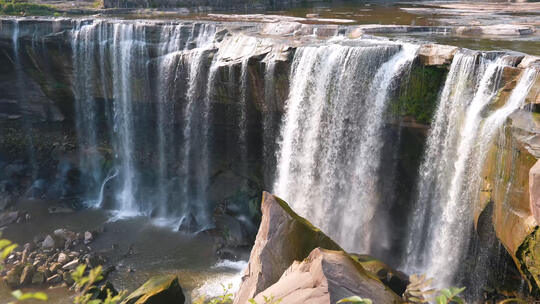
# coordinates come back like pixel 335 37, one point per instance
pixel 163 289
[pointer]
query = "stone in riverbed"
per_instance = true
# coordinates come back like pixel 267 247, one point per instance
pixel 50 242
pixel 7 218
pixel 71 265
pixel 66 276
pixel 38 278
pixel 325 277
pixel 13 276
pixel 88 237
pixel 158 290
pixel 63 258
pixel 55 279
pixel 54 267
pixel 26 276
pixel 65 234
pixel 283 237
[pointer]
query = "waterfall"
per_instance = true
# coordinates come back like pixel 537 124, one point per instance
pixel 268 120
pixel 331 135
pixel 242 123
pixel 113 64
pixel 22 98
pixel 83 45
pixel 449 175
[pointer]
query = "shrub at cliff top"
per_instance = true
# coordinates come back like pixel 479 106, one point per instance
pixel 25 8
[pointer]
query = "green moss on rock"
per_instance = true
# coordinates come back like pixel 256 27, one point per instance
pixel 418 96
pixel 158 290
pixel 528 256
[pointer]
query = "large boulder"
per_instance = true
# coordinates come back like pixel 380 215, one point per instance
pixel 325 277
pixel 163 289
pixel 283 237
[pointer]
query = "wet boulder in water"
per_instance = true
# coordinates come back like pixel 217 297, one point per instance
pixel 324 277
pixel 188 224
pixel 51 242
pixel 7 218
pixel 232 229
pixel 158 290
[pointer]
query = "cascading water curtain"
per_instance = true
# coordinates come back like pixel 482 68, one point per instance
pixel 329 154
pixel 449 175
pixel 113 63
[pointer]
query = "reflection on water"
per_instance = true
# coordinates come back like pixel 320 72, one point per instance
pixel 138 247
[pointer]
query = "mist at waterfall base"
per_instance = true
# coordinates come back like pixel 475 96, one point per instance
pixel 143 105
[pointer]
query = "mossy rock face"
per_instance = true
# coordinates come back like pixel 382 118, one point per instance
pixel 418 96
pixel 395 280
pixel 528 255
pixel 505 188
pixel 158 290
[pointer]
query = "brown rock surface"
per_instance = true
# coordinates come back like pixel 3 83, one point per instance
pixel 436 54
pixel 283 237
pixel 534 190
pixel 325 277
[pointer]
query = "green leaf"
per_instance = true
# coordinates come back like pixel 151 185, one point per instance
pixel 446 293
pixel 252 301
pixel 7 250
pixel 17 294
pixel 4 243
pixel 416 300
pixel 36 296
pixel 441 299
pixel 455 291
pixel 356 300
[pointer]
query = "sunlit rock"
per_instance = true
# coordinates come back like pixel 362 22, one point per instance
pixel 283 237
pixel 325 277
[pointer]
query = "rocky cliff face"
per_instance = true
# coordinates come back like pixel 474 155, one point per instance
pixel 246 69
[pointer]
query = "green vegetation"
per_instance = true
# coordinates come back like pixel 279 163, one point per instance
pixel 227 298
pixel 98 4
pixel 419 292
pixel 6 247
pixel 19 8
pixel 418 97
pixel 528 255
pixel 267 300
pixel 88 293
pixel 355 300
